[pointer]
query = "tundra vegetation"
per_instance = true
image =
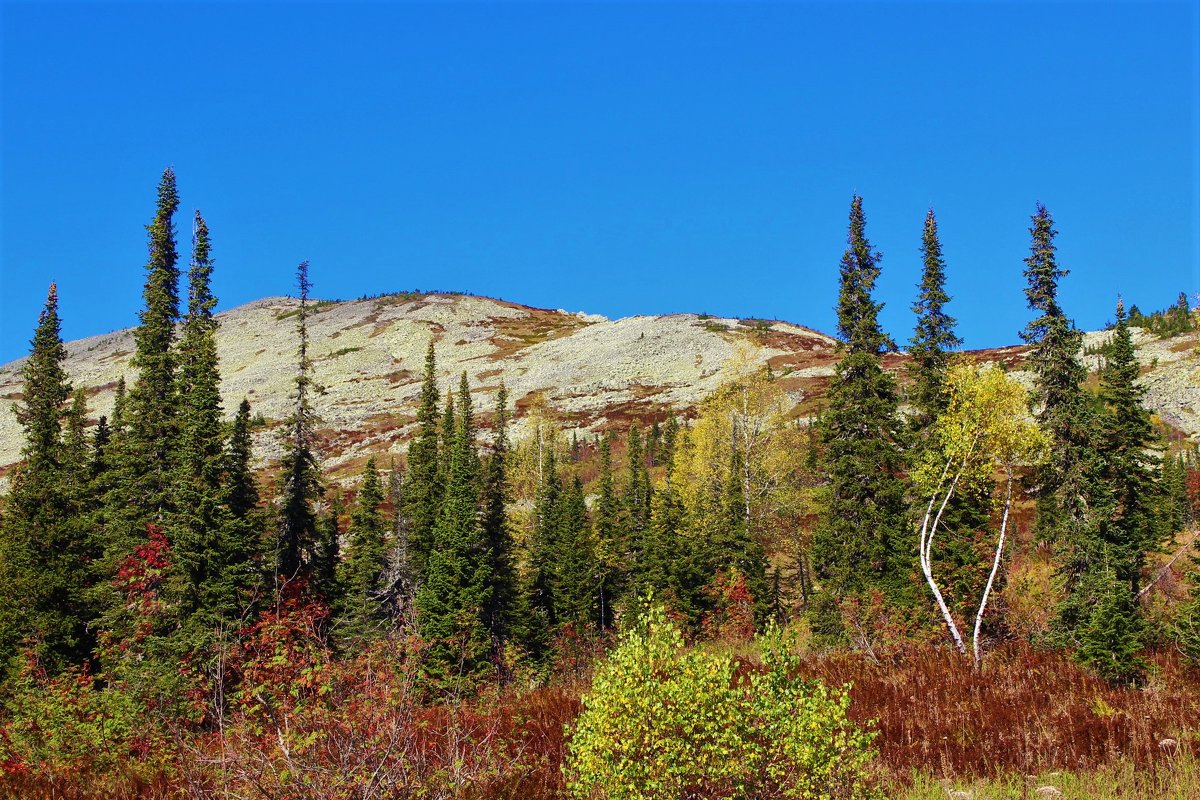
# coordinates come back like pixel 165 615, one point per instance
pixel 948 582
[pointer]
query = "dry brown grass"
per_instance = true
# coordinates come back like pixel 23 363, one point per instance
pixel 1028 711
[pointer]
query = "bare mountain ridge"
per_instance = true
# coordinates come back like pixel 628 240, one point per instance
pixel 591 372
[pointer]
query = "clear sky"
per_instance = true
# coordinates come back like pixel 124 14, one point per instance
pixel 617 158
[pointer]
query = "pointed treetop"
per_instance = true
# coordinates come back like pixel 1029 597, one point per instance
pixel 46 387
pixel 858 315
pixel 1043 274
pixel 200 299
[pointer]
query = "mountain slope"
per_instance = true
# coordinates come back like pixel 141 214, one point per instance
pixel 593 373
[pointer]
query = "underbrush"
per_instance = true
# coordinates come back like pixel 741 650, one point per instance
pixel 362 728
pixel 1027 711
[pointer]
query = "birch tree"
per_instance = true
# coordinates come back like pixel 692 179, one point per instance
pixel 983 437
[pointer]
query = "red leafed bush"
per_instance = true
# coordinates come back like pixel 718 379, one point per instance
pixel 732 618
pixel 305 723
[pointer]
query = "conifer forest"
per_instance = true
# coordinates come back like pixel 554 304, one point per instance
pixel 944 578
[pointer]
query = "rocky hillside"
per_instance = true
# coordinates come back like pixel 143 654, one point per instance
pixel 592 373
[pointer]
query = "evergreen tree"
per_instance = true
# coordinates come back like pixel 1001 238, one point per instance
pixel 1068 476
pixel 105 491
pixel 212 583
pixel 45 549
pixel 664 551
pixel 301 474
pixel 147 461
pixel 101 439
pixel 1110 636
pixel 506 611
pixel 636 506
pixel 577 592
pixel 421 491
pixel 858 314
pixel 76 458
pixel 1107 557
pixel 1130 470
pixel 327 578
pixel 120 415
pixel 860 541
pixel 451 601
pixel 241 490
pixel 363 571
pixel 934 336
pixel 610 540
pixel 446 446
pixel 545 545
pixel 1177 511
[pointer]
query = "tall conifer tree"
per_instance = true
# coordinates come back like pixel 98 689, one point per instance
pixel 211 585
pixel 363 578
pixel 241 490
pixel 577 595
pixel 451 602
pixel 1107 558
pixel 934 337
pixel 1130 469
pixel 328 573
pixel 636 507
pixel 45 550
pixel 421 491
pixel 860 541
pixel 301 473
pixel 611 541
pixel 506 613
pixel 1068 476
pixel 544 545
pixel 149 449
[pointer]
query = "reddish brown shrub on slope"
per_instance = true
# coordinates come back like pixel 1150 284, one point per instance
pixel 1026 711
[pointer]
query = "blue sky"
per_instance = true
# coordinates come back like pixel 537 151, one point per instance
pixel 617 158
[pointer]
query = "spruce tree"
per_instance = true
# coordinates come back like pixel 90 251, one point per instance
pixel 446 440
pixel 118 424
pixel 931 346
pixel 664 552
pixel 545 545
pixel 149 449
pixel 363 570
pixel 1068 475
pixel 636 506
pixel 327 566
pixel 212 583
pixel 857 312
pixel 421 490
pixel 76 457
pixel 451 601
pixel 101 439
pixel 577 596
pixel 108 484
pixel 860 541
pixel 611 541
pixel 506 614
pixel 1131 471
pixel 934 337
pixel 1107 557
pixel 44 572
pixel 300 472
pixel 1111 634
pixel 241 490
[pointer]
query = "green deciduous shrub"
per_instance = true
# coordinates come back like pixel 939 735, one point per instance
pixel 666 721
